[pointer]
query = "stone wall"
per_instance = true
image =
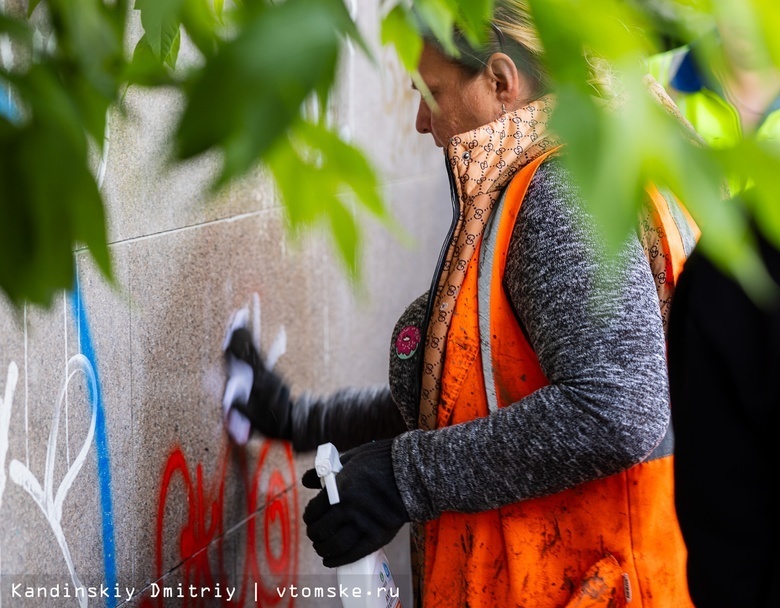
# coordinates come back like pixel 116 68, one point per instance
pixel 115 467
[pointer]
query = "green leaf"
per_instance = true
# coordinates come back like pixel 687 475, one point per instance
pixel 757 165
pixel 161 20
pixel 348 165
pixel 398 29
pixel 15 28
pixel 344 24
pixel 173 54
pixel 594 148
pixel 424 91
pixel 200 23
pixel 82 73
pixel 49 102
pixel 33 4
pixel 92 107
pixel 302 198
pixel 87 36
pixel 439 17
pixel 49 201
pixel 249 93
pixel 219 7
pixel 472 17
pixel 347 237
pixel 767 14
pixel 751 20
pixel 315 199
pixel 42 221
pixel 16 224
pixel 89 220
pixel 336 174
pixel 564 43
pixel 145 69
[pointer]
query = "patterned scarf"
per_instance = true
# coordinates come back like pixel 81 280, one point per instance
pixel 482 161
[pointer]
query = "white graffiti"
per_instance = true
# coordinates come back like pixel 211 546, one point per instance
pixel 44 496
pixel 5 421
pixel 6 50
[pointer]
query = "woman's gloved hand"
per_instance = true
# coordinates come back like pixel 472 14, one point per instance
pixel 268 406
pixel 370 511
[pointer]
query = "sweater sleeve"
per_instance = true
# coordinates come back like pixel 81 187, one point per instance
pixel 347 418
pixel 595 325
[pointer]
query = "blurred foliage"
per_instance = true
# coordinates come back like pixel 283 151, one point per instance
pixel 616 145
pixel 262 62
pixel 642 142
pixel 56 100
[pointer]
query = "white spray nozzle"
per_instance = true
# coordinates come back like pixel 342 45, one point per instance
pixel 327 464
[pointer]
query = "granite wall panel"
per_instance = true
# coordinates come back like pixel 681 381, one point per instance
pixel 116 471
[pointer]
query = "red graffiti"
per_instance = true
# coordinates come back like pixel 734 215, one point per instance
pixel 262 503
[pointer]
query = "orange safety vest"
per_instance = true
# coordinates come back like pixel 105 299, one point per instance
pixel 603 543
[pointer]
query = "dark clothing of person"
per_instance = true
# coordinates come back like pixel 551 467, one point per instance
pixel 724 374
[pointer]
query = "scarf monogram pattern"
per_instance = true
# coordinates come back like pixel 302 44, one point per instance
pixel 651 235
pixel 482 162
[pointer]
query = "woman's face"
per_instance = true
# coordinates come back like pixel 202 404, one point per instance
pixel 465 101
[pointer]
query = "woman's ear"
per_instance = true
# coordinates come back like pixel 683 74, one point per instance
pixel 512 87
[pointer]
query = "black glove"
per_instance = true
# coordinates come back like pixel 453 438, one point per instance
pixel 269 407
pixel 370 511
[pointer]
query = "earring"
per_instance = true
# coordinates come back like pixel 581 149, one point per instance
pixel 503 109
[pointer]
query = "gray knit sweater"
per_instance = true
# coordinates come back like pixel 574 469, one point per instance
pixel 596 329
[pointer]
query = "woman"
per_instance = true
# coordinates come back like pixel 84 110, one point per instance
pixel 524 431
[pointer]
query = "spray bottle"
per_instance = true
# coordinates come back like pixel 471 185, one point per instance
pixel 371 574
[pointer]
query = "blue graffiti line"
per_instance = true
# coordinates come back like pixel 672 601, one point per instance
pixel 101 439
pixel 7 107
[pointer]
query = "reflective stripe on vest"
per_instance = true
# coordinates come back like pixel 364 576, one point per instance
pixel 600 544
pixel 487 253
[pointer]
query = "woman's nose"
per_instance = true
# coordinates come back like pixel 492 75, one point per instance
pixel 423 123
